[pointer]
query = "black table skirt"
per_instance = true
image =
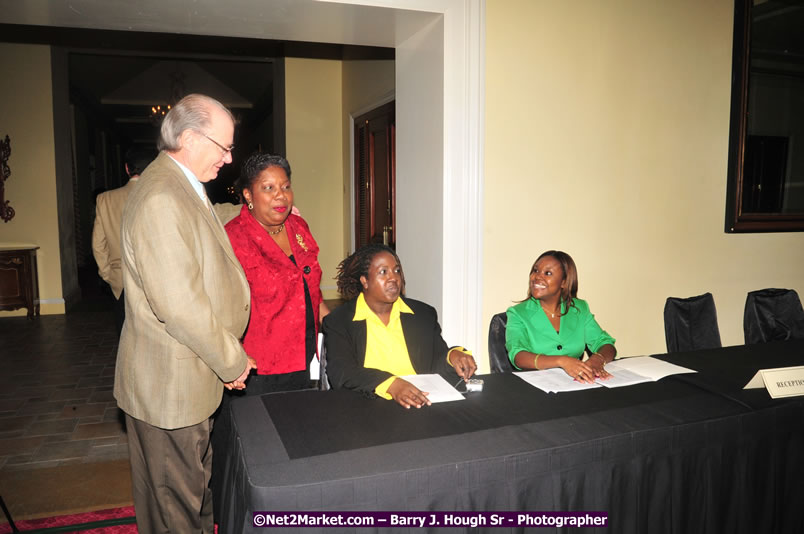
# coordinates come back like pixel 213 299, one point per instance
pixel 684 457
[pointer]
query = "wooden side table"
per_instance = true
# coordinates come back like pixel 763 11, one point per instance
pixel 19 281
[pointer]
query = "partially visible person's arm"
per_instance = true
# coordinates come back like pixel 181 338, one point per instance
pixel 574 367
pixel 446 361
pixel 463 363
pixel 226 211
pixel 407 395
pixel 517 339
pixel 240 382
pixel 345 368
pixel 600 342
pixel 600 358
pixel 100 246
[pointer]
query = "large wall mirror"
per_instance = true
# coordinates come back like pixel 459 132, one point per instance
pixel 766 146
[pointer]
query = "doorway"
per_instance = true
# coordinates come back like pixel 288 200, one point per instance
pixel 115 98
pixel 375 177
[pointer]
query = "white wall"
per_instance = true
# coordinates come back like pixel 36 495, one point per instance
pixel 419 163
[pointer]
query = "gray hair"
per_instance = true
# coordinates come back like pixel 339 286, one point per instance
pixel 191 113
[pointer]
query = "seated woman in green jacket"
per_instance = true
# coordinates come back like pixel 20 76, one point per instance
pixel 553 328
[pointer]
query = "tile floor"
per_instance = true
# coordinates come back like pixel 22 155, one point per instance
pixel 56 379
pixel 56 403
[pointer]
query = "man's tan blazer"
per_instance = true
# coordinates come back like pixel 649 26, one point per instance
pixel 187 303
pixel 106 235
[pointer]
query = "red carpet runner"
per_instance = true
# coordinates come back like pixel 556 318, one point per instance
pixel 98 522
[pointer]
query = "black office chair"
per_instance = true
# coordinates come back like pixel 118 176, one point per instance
pixel 691 323
pixel 772 315
pixel 498 355
pixel 323 382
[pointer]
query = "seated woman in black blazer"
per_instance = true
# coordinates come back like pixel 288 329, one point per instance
pixel 379 335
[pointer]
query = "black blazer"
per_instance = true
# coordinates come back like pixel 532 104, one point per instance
pixel 345 341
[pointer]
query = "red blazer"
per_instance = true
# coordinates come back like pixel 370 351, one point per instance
pixel 275 334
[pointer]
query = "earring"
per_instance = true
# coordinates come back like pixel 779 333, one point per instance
pixel 250 206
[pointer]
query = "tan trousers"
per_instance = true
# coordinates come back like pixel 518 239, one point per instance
pixel 170 472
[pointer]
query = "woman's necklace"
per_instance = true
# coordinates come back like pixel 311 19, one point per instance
pixel 281 227
pixel 552 314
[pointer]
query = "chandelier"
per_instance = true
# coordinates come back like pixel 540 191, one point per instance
pixel 177 90
pixel 158 113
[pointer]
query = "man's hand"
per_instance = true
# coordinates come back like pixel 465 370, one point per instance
pixel 240 382
pixel 464 364
pixel 407 395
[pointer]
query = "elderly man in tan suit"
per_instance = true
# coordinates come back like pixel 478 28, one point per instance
pixel 187 306
pixel 106 230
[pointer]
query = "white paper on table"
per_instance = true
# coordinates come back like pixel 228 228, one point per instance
pixel 438 389
pixel 647 366
pixel 622 377
pixel 553 381
pixel 315 363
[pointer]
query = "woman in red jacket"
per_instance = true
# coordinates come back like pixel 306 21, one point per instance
pixel 280 258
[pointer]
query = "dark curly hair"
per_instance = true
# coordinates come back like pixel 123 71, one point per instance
pixel 255 164
pixel 356 265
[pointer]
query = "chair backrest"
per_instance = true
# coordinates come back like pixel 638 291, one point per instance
pixel 323 381
pixel 498 355
pixel 691 323
pixel 772 315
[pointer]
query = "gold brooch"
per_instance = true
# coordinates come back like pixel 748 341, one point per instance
pixel 300 241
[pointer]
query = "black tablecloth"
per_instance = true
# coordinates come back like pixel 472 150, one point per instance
pixel 690 453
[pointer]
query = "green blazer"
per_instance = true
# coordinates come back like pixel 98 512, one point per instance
pixel 187 303
pixel 530 330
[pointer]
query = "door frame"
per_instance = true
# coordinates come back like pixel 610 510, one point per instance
pixel 453 275
pixel 388 97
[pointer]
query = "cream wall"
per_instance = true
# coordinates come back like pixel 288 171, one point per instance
pixel 366 85
pixel 26 116
pixel 314 138
pixel 607 137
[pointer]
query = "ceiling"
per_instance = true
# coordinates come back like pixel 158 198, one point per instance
pixel 146 81
pixel 287 20
pixel 223 49
pixel 123 89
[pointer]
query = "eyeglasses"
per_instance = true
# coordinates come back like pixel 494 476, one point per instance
pixel 225 150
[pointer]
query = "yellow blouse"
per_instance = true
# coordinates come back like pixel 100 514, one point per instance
pixel 386 349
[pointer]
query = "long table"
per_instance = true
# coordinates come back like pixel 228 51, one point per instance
pixel 689 453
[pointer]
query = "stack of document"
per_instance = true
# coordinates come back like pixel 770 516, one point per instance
pixel 554 381
pixel 625 372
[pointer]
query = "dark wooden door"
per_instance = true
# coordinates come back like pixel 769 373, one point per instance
pixel 375 177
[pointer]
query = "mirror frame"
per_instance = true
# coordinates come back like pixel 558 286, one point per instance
pixel 736 221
